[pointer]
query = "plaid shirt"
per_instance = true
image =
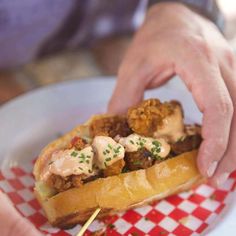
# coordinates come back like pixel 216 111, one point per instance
pixel 30 28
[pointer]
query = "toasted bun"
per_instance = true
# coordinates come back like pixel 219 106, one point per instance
pixel 115 193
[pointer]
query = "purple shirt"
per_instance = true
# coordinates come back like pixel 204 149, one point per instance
pixel 29 28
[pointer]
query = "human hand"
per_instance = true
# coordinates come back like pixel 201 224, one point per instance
pixel 176 40
pixel 11 223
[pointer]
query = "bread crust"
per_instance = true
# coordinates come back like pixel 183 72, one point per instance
pixel 115 193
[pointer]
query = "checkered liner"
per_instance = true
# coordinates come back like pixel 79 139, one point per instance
pixel 188 213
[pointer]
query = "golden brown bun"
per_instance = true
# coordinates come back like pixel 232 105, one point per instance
pixel 114 193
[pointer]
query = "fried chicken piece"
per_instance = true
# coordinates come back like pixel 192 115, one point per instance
pixel 186 144
pixel 114 169
pixel 155 119
pixel 77 143
pixel 141 159
pixel 63 183
pixel 110 126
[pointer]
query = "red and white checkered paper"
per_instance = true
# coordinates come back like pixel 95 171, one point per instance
pixel 188 213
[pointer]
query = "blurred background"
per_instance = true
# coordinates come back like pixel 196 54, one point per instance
pixel 103 58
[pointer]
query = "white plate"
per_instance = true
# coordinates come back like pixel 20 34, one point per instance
pixel 30 121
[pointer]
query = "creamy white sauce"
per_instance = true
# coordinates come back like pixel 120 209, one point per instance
pixel 172 128
pixel 70 162
pixel 107 151
pixel 158 147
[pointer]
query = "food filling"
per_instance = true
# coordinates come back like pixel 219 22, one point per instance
pixel 150 133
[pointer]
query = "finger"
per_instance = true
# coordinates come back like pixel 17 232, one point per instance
pixel 202 76
pixel 228 163
pixel 129 88
pixel 14 224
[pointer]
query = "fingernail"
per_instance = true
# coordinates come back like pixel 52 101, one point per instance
pixel 212 168
pixel 222 178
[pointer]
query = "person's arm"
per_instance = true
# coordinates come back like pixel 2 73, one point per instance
pixel 207 8
pixel 176 40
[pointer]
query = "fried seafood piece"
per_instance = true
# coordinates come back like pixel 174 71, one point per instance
pixel 186 144
pixel 155 119
pixel 114 169
pixel 63 183
pixel 141 159
pixel 110 126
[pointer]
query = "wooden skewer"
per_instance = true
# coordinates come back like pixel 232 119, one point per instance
pixel 89 221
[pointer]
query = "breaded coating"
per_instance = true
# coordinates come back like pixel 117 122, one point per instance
pixel 63 183
pixel 146 118
pixel 141 159
pixel 114 169
pixel 186 144
pixel 110 126
pixel 77 143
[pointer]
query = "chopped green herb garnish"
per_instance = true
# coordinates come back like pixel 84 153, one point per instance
pixel 90 171
pixel 156 149
pixel 82 156
pixel 107 151
pixel 81 162
pixel 105 164
pixel 131 141
pixel 104 153
pixel 108 159
pixel 88 156
pixel 74 154
pixel 116 151
pixel 109 145
pixel 80 168
pixel 87 161
pixel 115 155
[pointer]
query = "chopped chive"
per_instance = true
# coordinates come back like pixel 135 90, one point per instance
pixel 116 150
pixel 115 155
pixel 87 161
pixel 81 162
pixel 109 145
pixel 82 155
pixel 74 154
pixel 80 168
pixel 107 151
pixel 88 156
pixel 131 141
pixel 104 153
pixel 90 171
pixel 108 159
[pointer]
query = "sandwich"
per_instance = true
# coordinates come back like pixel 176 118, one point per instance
pixel 117 162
